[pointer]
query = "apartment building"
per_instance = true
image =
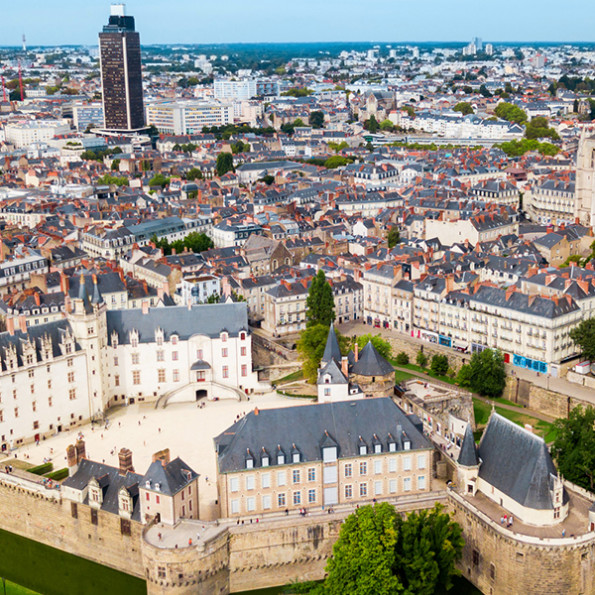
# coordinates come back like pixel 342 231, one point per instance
pixel 553 201
pixel 315 456
pixel 188 116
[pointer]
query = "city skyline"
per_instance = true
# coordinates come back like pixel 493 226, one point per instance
pixel 330 21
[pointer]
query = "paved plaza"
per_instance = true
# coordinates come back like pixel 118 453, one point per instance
pixel 186 429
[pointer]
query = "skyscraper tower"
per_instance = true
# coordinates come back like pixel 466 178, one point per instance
pixel 121 75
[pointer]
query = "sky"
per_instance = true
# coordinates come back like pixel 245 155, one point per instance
pixel 62 22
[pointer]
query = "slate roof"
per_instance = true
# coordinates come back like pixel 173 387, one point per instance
pixel 203 319
pixel 306 427
pixel 516 462
pixel 468 452
pixel 331 350
pixel 171 478
pixel 371 363
pixel 335 372
pixel 110 480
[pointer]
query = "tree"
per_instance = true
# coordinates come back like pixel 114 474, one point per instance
pixel 224 163
pixel 538 128
pixel 383 347
pixel 115 165
pixel 464 107
pixel 239 147
pixel 316 119
pixel 320 303
pixel 393 237
pixel 402 358
pixel 159 180
pixel 372 124
pixel 109 180
pixel 268 179
pixel 488 374
pixel 464 376
pixel 421 359
pixel 337 161
pixel 197 242
pixel 439 365
pixel 510 112
pixel 379 552
pixel 386 125
pixel 574 447
pixel 194 174
pixel 583 335
pixel 311 346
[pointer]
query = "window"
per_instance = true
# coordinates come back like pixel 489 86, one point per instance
pixel 174 339
pixel 377 448
pixel 244 370
pixel 135 359
pixel 311 474
pixel 392 486
pixel 406 463
pixel 377 467
pixel 16 411
pixel 161 375
pixel 125 527
pixel 280 478
pixel 265 480
pixel 329 454
pixel 116 380
pixel 160 356
pixel 407 484
pixel 363 489
pixel 281 499
pixel 250 482
pixel 348 470
pixel 249 463
pixel 174 356
pixel 363 468
pixel 280 459
pixel 242 336
pixel 136 377
pixel 265 461
pixel 421 461
pixel 70 376
pixel 223 337
pixel 297 498
pixel 266 502
pixel 34 405
pixel 296 476
pixel 311 496
pixel 49 383
pixel 250 504
pixel 224 352
pixel 475 558
pixel 176 375
pixel 225 371
pixel 421 482
pixel 363 449
pixel 134 341
pixel 31 373
pixel 70 362
pixel 115 361
pixel 349 491
pixel 199 354
pixel 392 465
pixel 243 351
pixel 492 571
pixel 295 457
pixel 377 488
pixel 93 516
pixel 234 484
pixel 74 510
pixel 392 447
pixel 235 506
pixel 327 392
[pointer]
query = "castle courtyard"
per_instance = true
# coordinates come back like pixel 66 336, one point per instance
pixel 187 429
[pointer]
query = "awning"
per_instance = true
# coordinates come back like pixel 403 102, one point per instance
pixel 201 365
pixel 460 345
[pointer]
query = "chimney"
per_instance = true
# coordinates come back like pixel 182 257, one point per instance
pixel 23 323
pixel 345 366
pixel 80 450
pixel 162 456
pixel 356 352
pixel 256 411
pixel 125 458
pixel 37 298
pixel 10 325
pixel 71 460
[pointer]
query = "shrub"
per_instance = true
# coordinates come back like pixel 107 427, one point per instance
pixel 402 358
pixel 58 475
pixel 42 469
pixel 439 365
pixel 421 359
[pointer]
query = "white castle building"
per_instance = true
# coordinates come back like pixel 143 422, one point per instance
pixel 57 375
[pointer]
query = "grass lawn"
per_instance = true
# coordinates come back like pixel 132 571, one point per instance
pixel 14 589
pixel 53 572
pixel 299 375
pixel 415 368
pixel 403 376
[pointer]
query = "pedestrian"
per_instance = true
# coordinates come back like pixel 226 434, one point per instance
pixel 159 430
pixel 563 532
pixel 159 535
pixel 501 520
pixel 511 520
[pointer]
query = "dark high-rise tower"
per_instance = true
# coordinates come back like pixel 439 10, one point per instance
pixel 121 76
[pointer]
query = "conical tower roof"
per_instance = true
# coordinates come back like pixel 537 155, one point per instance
pixel 331 350
pixel 371 363
pixel 468 454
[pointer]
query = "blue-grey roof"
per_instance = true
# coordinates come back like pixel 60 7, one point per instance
pixel 517 463
pixel 331 349
pixel 371 363
pixel 468 453
pixel 203 319
pixel 110 480
pixel 171 478
pixel 308 427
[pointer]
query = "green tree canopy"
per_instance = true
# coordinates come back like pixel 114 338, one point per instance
pixel 538 128
pixel 511 112
pixel 110 180
pixel 393 237
pixel 464 107
pixel 224 163
pixel 386 125
pixel 320 303
pixel 421 359
pixel 316 119
pixel 372 124
pixel 194 174
pixel 583 335
pixel 574 447
pixel 337 161
pixel 439 364
pixel 159 180
pixel 195 242
pixel 488 374
pixel 380 553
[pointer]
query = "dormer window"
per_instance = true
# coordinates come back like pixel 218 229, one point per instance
pixel 377 448
pixel 392 447
pixel 406 444
pixel 243 336
pixel 280 459
pixel 224 337
pixel 265 461
pixel 329 454
pixel 296 457
pixel 363 449
pixel 249 463
pixel 174 339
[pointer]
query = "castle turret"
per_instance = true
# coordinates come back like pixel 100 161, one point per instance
pixel 468 463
